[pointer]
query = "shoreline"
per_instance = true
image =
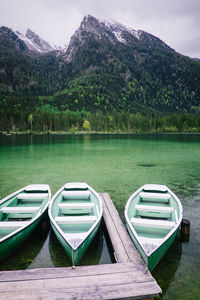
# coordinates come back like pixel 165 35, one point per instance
pixel 11 133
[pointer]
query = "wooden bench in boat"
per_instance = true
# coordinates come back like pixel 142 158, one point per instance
pixel 32 196
pixel 153 223
pixel 151 208
pixel 20 209
pixel 151 241
pixel 76 195
pixel 37 187
pixel 85 206
pixel 76 186
pixel 155 197
pixel 75 219
pixel 13 224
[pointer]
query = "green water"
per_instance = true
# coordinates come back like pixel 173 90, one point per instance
pixel 117 164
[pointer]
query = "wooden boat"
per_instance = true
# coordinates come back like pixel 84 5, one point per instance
pixel 20 213
pixel 153 216
pixel 75 213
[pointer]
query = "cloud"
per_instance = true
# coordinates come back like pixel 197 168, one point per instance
pixel 176 22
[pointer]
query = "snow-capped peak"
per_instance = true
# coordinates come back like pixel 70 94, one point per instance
pixel 112 32
pixel 34 42
pixel 119 29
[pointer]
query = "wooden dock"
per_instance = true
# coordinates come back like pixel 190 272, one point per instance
pixel 128 278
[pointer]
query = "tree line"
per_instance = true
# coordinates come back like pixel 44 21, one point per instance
pixel 70 121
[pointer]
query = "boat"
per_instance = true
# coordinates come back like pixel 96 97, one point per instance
pixel 20 213
pixel 75 213
pixel 153 216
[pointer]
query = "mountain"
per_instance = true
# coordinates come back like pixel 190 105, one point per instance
pixel 28 42
pixel 34 42
pixel 26 69
pixel 128 70
pixel 111 33
pixel 7 35
pixel 106 67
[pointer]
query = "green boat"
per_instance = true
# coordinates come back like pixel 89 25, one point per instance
pixel 75 213
pixel 153 217
pixel 20 213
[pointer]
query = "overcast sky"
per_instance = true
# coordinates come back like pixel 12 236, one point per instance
pixel 176 22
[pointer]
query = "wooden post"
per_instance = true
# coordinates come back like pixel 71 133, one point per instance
pixel 185 230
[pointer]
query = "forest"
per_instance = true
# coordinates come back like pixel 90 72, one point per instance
pixel 18 121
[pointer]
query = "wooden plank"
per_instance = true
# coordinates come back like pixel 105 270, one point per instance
pixel 153 223
pixel 75 219
pixel 32 196
pixel 48 273
pixel 124 248
pixel 151 208
pixel 87 282
pixel 13 224
pixel 19 209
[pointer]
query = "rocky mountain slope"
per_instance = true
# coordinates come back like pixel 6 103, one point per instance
pixel 34 42
pixel 106 67
pixel 112 33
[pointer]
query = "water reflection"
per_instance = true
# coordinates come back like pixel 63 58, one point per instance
pixel 91 257
pixel 26 254
pixel 165 271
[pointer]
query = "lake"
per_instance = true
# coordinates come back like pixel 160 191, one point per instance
pixel 119 165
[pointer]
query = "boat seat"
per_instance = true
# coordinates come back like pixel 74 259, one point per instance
pixel 37 187
pixel 150 240
pixel 154 188
pixel 150 244
pixel 76 195
pixel 32 196
pixel 75 219
pixel 13 224
pixel 76 235
pixel 20 209
pixel 153 223
pixel 155 197
pixel 149 208
pixel 74 207
pixel 76 186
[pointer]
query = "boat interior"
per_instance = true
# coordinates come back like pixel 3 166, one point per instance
pixel 153 214
pixel 20 209
pixel 76 210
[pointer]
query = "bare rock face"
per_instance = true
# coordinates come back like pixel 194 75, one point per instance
pixel 109 32
pixel 10 35
pixel 40 44
pixel 28 42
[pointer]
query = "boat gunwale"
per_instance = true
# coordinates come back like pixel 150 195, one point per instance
pixel 168 235
pixel 33 220
pixel 57 227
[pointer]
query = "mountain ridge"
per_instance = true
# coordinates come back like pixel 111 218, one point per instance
pixel 34 42
pixel 114 32
pixel 106 67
